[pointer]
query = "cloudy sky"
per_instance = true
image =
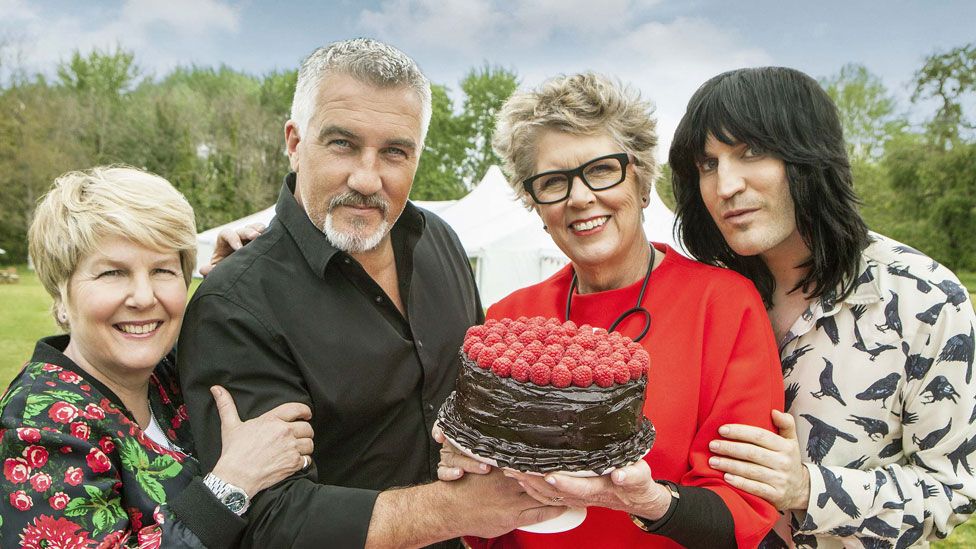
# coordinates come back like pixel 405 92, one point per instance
pixel 664 47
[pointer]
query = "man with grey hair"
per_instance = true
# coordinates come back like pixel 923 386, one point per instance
pixel 355 302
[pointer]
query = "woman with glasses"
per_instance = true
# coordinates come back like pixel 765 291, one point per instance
pixel 579 152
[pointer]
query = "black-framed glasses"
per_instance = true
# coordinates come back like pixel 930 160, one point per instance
pixel 597 174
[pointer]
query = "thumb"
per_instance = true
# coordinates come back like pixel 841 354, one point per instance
pixel 785 423
pixel 538 514
pixel 225 408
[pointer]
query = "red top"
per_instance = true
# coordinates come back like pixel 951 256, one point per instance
pixel 713 361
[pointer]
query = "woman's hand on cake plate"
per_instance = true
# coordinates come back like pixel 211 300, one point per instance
pixel 763 463
pixel 630 489
pixel 453 464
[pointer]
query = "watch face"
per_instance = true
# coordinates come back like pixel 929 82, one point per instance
pixel 235 501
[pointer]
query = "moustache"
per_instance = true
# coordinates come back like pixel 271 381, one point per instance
pixel 353 198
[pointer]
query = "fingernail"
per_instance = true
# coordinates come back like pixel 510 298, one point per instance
pixel 713 445
pixel 621 476
pixel 551 480
pixel 723 430
pixel 456 471
pixel 483 466
pixel 713 462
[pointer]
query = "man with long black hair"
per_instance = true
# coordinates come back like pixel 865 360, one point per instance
pixel 875 338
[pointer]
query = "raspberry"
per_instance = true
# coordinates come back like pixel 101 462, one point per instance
pixel 517 347
pixel 561 377
pixel 477 331
pixel 600 332
pixel 590 357
pixel 553 339
pixel 636 369
pixel 603 348
pixel 569 362
pixel 633 347
pixel 492 338
pixel 505 321
pixel 499 348
pixel 603 361
pixel 642 357
pixel 528 336
pixel 517 327
pixel 603 376
pixel 585 329
pixel 510 354
pixel 540 374
pixel 574 350
pixel 486 358
pixel 536 347
pixel 510 337
pixel 618 356
pixel 475 350
pixel 582 376
pixel 570 325
pixel 537 321
pixel 468 342
pixel 554 349
pixel 502 367
pixel 529 356
pixel 549 360
pixel 586 341
pixel 491 323
pixel 520 370
pixel 620 373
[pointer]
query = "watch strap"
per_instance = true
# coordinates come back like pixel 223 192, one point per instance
pixel 649 525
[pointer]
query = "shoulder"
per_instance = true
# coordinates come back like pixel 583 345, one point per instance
pixel 535 299
pixel 254 261
pixel 438 230
pixel 902 268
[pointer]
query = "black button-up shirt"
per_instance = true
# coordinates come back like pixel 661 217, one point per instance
pixel 291 318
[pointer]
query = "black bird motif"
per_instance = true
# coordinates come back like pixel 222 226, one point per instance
pixel 916 366
pixel 857 463
pixel 879 480
pixel 873 427
pixel 834 490
pixel 894 481
pixel 930 440
pixel 939 389
pixel 916 459
pixel 928 491
pixel 827 386
pixel 829 325
pixel 961 455
pixel 903 249
pixel 972 416
pixel 789 362
pixel 791 391
pixel 772 541
pixel 903 272
pixel 891 449
pixel 900 505
pixel 879 527
pixel 911 536
pixel 931 315
pixel 822 438
pixel 843 531
pixel 875 543
pixel 960 348
pixel 881 389
pixel 955 293
pixel 907 417
pixel 804 541
pixel 950 489
pixel 967 508
pixel 933 266
pixel 892 318
pixel 858 311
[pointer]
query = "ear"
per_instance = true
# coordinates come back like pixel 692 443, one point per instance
pixel 292 139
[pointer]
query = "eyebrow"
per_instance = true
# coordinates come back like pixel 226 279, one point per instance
pixel 334 130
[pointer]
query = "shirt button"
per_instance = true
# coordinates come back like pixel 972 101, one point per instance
pixel 420 344
pixel 379 299
pixel 345 260
pixel 430 407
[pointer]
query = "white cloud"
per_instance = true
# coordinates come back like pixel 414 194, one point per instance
pixel 42 39
pixel 461 25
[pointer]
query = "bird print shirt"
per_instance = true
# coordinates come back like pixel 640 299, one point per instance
pixel 881 387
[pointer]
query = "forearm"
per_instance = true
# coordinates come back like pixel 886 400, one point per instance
pixel 698 518
pixel 412 517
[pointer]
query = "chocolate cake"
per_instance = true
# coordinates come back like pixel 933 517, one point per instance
pixel 539 396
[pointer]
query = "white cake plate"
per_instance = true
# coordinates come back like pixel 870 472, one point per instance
pixel 569 519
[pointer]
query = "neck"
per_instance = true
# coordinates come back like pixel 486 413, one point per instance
pixel 132 388
pixel 610 275
pixel 783 263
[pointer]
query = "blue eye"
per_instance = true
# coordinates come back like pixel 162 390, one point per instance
pixel 707 165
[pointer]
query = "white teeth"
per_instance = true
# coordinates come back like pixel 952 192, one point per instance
pixel 591 224
pixel 138 329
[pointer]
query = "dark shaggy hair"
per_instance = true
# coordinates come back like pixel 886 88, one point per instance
pixel 786 113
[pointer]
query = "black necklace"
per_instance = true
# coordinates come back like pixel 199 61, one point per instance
pixel 633 310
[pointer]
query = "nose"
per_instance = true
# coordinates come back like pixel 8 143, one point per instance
pixel 365 176
pixel 730 180
pixel 579 194
pixel 141 293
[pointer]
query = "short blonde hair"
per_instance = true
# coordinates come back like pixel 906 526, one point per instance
pixel 84 207
pixel 586 104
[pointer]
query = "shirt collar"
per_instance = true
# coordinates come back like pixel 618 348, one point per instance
pixel 315 247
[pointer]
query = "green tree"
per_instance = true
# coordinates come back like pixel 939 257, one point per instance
pixel 867 111
pixel 439 172
pixel 485 89
pixel 948 78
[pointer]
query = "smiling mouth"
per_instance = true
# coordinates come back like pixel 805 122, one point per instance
pixel 589 223
pixel 137 328
pixel 734 215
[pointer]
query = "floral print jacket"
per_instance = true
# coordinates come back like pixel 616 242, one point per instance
pixel 78 471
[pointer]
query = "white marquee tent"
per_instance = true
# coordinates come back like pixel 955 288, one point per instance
pixel 506 243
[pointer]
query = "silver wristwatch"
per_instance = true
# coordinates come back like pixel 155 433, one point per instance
pixel 231 496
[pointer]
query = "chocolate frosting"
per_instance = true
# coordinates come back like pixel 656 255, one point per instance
pixel 541 429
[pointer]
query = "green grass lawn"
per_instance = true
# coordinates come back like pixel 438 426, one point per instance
pixel 25 316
